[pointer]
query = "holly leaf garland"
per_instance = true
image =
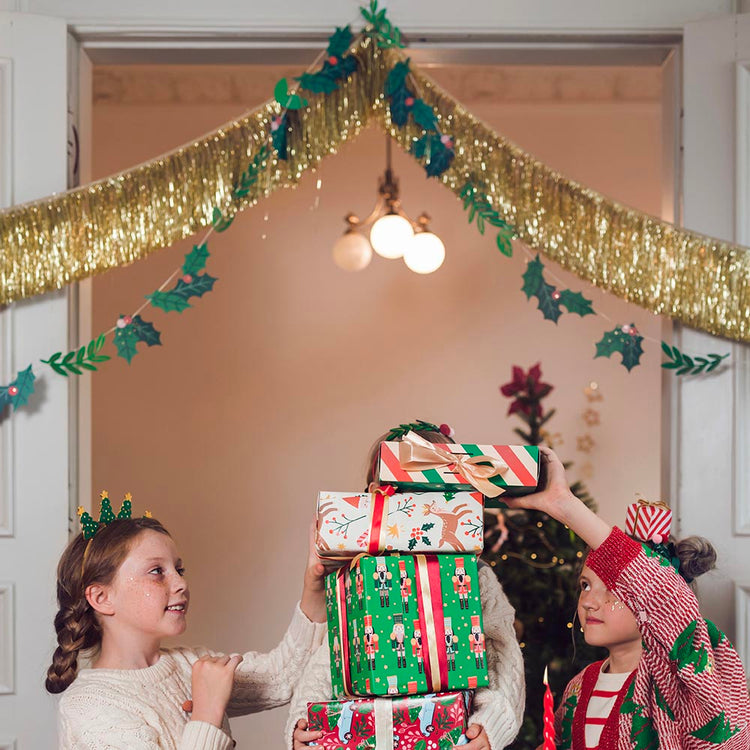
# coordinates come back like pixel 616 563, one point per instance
pixel 437 154
pixel 17 392
pixel 279 127
pixel 195 260
pixel 626 343
pixel 250 176
pixel 686 365
pixel 74 362
pixel 336 67
pixel 130 334
pixel 575 302
pixel 190 284
pixel 549 299
pixel 286 99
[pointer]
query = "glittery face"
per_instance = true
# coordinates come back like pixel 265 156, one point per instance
pixel 149 592
pixel 606 621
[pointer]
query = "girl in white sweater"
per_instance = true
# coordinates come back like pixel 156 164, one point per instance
pixel 120 593
pixel 498 709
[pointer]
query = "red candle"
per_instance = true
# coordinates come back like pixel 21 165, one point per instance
pixel 549 716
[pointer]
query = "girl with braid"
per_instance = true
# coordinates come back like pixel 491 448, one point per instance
pixel 673 680
pixel 498 709
pixel 121 589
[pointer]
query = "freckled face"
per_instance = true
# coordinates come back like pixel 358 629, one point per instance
pixel 149 591
pixel 606 621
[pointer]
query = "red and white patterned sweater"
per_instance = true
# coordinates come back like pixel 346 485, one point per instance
pixel 689 691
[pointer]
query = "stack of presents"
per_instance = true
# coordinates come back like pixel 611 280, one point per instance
pixel 405 629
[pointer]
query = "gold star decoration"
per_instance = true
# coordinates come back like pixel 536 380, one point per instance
pixel 585 443
pixel 587 470
pixel 591 417
pixel 104 494
pixel 393 531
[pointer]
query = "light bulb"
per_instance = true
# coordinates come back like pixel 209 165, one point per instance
pixel 425 253
pixel 390 235
pixel 352 252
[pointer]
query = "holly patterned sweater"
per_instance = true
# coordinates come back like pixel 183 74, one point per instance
pixel 689 691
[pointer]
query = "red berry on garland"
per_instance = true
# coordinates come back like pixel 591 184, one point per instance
pixel 128 320
pixel 633 331
pixel 275 123
pixel 187 279
pixel 625 328
pixel 409 101
pixel 12 390
pixel 333 60
pixel 555 295
pixel 447 141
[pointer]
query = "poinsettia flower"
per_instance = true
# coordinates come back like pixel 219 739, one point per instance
pixel 528 389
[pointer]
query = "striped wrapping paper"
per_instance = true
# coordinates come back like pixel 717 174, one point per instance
pixel 649 521
pixel 520 478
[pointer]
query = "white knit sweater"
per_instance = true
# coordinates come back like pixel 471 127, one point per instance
pixel 141 709
pixel 498 708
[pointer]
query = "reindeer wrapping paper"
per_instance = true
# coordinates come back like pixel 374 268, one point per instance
pixel 518 476
pixel 373 522
pixel 405 625
pixel 433 721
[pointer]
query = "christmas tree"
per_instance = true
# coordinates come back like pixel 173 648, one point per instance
pixel 538 559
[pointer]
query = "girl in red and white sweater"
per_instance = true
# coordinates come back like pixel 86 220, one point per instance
pixel 673 680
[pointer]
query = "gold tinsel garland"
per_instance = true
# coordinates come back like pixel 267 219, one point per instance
pixel 698 280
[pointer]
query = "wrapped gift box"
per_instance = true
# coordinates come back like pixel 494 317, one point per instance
pixel 414 464
pixel 649 521
pixel 373 522
pixel 402 624
pixel 435 721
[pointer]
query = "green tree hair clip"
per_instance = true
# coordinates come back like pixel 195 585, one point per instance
pixel 89 526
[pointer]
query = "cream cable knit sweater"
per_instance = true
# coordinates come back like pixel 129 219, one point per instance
pixel 141 709
pixel 498 708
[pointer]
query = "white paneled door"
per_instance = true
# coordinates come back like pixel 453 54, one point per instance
pixel 713 435
pixel 33 442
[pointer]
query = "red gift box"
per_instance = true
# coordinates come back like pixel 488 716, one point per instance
pixel 649 521
pixel 438 720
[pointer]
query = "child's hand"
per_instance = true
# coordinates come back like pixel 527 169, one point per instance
pixel 478 739
pixel 302 737
pixel 313 602
pixel 554 491
pixel 213 677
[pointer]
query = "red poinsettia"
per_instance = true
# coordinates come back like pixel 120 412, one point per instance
pixel 528 390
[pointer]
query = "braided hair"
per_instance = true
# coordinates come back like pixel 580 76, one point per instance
pixel 76 623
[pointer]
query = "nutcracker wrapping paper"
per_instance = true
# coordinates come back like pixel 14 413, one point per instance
pixel 413 723
pixel 384 521
pixel 649 521
pixel 405 625
pixel 416 464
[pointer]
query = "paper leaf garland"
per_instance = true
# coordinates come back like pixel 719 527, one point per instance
pixel 85 358
pixel 683 364
pixel 479 208
pixel 176 299
pixel 195 260
pixel 385 33
pixel 626 343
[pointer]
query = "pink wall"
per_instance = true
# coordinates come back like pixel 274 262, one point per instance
pixel 275 385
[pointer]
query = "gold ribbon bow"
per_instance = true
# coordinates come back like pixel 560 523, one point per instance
pixel 417 454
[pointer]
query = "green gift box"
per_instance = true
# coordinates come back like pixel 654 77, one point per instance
pixel 401 625
pixel 416 464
